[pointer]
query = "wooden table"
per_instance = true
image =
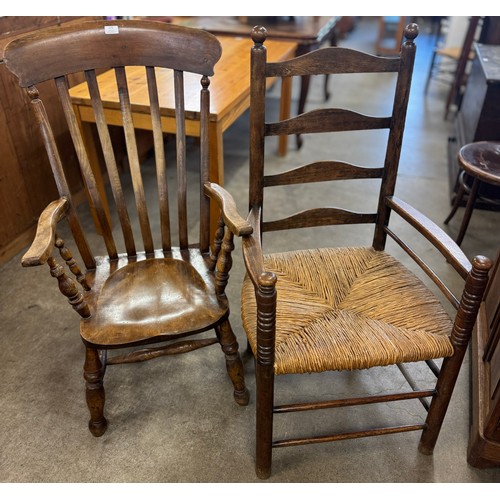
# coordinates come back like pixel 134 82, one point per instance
pixel 308 32
pixel 229 99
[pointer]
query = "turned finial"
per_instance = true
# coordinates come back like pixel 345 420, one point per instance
pixel 482 263
pixel 33 92
pixel 411 32
pixel 205 81
pixel 259 34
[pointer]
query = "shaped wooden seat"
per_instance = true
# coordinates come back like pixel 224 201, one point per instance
pixel 325 308
pixel 152 299
pixel 140 292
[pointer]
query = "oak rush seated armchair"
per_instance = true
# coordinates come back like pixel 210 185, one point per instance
pixel 348 308
pixel 152 295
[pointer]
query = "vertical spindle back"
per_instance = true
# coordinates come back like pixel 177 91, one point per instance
pixel 116 46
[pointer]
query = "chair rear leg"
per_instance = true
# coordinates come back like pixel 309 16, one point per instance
pixel 234 365
pixel 93 374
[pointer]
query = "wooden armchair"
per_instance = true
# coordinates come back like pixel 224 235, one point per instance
pixel 139 294
pixel 352 308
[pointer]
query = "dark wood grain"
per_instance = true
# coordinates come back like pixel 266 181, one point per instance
pixel 37 57
pixel 134 298
pixel 271 322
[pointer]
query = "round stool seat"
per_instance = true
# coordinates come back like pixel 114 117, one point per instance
pixel 481 160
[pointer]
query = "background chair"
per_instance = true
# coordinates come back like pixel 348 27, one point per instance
pixel 450 65
pixel 148 293
pixel 390 34
pixel 309 310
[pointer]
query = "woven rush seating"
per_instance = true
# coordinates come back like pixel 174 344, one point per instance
pixel 342 304
pixel 346 309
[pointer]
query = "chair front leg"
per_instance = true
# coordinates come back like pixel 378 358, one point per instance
pixel 234 366
pixel 475 286
pixel 264 372
pixel 93 374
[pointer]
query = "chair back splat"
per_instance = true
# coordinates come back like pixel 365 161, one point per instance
pixel 158 281
pixel 311 310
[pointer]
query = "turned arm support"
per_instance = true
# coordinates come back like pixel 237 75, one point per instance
pixel 41 250
pixel 43 244
pixel 433 233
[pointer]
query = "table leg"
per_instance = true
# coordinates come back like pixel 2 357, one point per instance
pixel 285 101
pixel 216 151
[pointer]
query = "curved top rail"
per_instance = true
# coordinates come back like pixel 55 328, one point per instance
pixel 54 52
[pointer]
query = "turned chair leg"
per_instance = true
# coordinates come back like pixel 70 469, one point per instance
pixel 470 302
pixel 234 365
pixel 93 374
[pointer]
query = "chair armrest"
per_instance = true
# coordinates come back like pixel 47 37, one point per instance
pixel 41 248
pixel 253 255
pixel 233 220
pixel 433 233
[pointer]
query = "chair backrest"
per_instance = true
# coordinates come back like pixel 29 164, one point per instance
pixel 54 54
pixel 332 60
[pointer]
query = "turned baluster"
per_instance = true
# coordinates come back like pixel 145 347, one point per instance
pixel 71 263
pixel 224 262
pixel 68 288
pixel 219 235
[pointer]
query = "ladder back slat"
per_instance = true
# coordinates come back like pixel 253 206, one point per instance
pixel 161 164
pixel 327 120
pixel 110 161
pixel 95 198
pixel 181 157
pixel 319 217
pixel 322 171
pixel 133 157
pixel 333 60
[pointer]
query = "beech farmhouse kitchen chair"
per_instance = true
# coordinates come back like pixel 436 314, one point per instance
pixel 140 293
pixel 354 308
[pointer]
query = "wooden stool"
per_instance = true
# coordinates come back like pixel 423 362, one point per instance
pixel 481 161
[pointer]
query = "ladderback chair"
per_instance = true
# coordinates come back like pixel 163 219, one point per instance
pixel 349 308
pixel 142 292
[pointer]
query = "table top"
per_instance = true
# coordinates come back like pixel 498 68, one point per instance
pixel 229 86
pixel 489 57
pixel 304 30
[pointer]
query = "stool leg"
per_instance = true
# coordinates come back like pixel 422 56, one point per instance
pixel 468 210
pixel 458 198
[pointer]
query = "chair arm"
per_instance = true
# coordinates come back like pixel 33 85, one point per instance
pixel 233 220
pixel 253 255
pixel 433 233
pixel 41 248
